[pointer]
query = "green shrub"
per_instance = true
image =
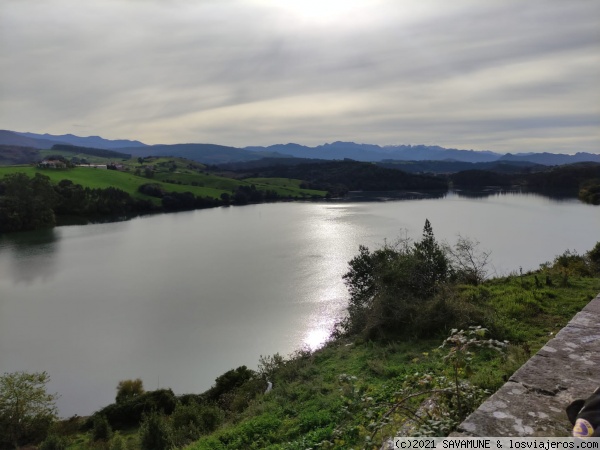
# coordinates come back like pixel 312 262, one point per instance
pixel 388 287
pixel 101 430
pixel 155 433
pixel 191 421
pixel 54 442
pixel 229 381
pixel 594 257
pixel 118 442
pixel 311 419
pixel 129 412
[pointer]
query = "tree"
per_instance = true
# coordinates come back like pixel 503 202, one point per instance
pixel 594 257
pixel 394 287
pixel 434 266
pixel 26 409
pixel 127 389
pixel 364 282
pixel 470 264
pixel 26 203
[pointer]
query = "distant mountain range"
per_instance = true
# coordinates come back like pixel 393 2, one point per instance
pixel 369 152
pixel 220 154
pixel 45 141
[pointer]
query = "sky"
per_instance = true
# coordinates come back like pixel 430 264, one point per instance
pixel 500 75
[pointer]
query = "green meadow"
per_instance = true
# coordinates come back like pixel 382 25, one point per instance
pixel 176 178
pixel 102 178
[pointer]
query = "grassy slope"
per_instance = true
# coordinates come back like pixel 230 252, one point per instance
pixel 283 185
pixel 102 178
pixel 89 158
pixel 206 185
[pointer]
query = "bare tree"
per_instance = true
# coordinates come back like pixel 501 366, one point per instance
pixel 470 264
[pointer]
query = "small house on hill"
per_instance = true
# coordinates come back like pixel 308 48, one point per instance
pixel 93 166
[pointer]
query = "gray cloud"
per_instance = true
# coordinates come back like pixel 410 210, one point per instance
pixel 500 75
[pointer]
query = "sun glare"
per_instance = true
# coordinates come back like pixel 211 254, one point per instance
pixel 323 11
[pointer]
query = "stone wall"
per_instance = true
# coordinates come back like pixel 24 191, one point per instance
pixel 533 401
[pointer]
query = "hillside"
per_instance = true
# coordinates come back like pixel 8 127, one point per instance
pixel 204 153
pixel 552 159
pixel 89 151
pixel 446 167
pixel 338 177
pixel 14 154
pixel 172 174
pixel 560 177
pixel 14 139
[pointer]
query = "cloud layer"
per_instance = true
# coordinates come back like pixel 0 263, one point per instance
pixel 501 75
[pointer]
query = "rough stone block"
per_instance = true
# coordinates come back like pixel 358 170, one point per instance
pixel 533 401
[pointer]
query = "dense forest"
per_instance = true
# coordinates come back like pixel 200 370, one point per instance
pixel 582 179
pixel 339 177
pixel 560 177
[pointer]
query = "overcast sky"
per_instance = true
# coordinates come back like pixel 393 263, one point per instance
pixel 501 75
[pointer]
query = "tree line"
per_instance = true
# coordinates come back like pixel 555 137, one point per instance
pixel 32 203
pixel 562 177
pixel 339 177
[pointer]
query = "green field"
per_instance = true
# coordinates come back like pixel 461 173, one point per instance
pixel 89 158
pixel 181 179
pixel 284 186
pixel 102 178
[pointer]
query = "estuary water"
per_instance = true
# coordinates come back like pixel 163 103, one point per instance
pixel 178 299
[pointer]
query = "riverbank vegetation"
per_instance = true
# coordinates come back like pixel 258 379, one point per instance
pixel 97 184
pixel 581 179
pixel 33 198
pixel 427 337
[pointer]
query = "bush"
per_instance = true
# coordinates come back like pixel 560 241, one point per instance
pixel 54 442
pixel 389 287
pixel 101 430
pixel 155 433
pixel 594 258
pixel 152 189
pixel 229 381
pixel 194 420
pixel 130 412
pixel 118 442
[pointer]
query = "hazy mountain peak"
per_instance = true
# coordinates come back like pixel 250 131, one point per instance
pixel 89 141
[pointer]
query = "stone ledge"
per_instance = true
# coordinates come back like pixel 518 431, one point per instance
pixel 533 401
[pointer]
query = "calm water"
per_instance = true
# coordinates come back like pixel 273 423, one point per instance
pixel 179 299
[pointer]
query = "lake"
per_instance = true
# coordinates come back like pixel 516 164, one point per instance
pixel 178 299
